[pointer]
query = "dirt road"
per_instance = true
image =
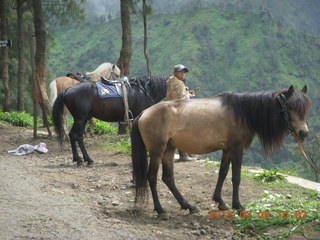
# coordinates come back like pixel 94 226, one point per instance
pixel 46 196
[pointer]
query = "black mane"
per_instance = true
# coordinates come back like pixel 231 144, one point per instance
pixel 155 86
pixel 262 113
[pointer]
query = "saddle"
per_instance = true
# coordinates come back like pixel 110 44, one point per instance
pixel 108 88
pixel 117 88
pixel 79 76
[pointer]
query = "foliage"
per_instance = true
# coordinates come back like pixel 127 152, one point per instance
pixel 276 210
pixel 21 119
pixel 101 127
pixel 124 145
pixel 121 146
pixel 227 47
pixel 269 176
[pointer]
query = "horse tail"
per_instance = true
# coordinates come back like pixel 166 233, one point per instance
pixel 139 162
pixel 57 112
pixel 53 92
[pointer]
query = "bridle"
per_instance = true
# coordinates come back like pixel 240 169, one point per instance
pixel 143 89
pixel 283 102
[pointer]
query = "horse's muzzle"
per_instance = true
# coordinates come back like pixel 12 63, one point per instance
pixel 302 135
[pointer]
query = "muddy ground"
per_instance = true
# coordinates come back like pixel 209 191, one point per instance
pixel 47 196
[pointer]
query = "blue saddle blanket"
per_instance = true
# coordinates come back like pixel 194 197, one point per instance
pixel 107 91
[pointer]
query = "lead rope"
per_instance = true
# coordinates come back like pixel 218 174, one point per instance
pixel 126 105
pixel 303 152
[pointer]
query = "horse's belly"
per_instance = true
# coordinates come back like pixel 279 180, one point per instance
pixel 200 142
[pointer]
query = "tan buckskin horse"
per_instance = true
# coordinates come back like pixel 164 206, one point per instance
pixel 106 70
pixel 226 122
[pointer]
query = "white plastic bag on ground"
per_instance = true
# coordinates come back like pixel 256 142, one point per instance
pixel 27 149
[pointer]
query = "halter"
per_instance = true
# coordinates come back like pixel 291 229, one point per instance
pixel 283 102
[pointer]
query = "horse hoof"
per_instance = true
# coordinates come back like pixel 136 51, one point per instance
pixel 90 163
pixel 223 207
pixel 195 210
pixel 164 216
pixel 79 163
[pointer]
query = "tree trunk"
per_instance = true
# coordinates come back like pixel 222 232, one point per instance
pixel 126 50
pixel 145 11
pixel 20 104
pixel 40 87
pixel 33 69
pixel 5 58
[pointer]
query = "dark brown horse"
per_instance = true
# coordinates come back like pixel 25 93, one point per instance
pixel 83 103
pixel 226 122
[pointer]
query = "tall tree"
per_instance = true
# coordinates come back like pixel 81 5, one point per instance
pixel 21 7
pixel 39 82
pixel 5 57
pixel 146 10
pixel 126 49
pixel 33 69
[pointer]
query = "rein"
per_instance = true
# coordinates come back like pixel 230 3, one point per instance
pixel 283 102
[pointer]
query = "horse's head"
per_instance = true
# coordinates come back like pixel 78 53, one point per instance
pixel 114 73
pixel 297 104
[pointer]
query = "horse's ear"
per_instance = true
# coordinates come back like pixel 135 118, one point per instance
pixel 304 89
pixel 113 66
pixel 290 91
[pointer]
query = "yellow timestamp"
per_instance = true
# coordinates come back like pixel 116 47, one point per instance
pixel 257 215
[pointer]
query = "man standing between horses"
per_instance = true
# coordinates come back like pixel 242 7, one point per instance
pixel 176 89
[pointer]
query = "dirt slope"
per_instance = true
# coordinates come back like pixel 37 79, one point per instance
pixel 46 196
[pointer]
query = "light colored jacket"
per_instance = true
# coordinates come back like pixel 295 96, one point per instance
pixel 176 89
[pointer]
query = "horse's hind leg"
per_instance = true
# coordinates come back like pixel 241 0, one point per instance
pixel 155 160
pixel 76 135
pixel 73 141
pixel 168 179
pixel 84 151
pixel 224 167
pixel 65 122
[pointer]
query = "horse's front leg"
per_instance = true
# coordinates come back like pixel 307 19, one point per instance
pixel 236 177
pixel 224 168
pixel 168 179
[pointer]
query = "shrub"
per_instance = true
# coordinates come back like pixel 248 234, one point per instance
pixel 101 127
pixel 21 119
pixel 269 176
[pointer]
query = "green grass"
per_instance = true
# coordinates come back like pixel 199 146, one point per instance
pixel 276 211
pixel 279 212
pixel 121 145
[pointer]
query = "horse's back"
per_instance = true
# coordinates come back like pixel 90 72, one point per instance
pixel 103 70
pixel 196 126
pixel 65 82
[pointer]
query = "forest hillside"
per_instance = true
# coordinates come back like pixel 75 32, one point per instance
pixel 225 50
